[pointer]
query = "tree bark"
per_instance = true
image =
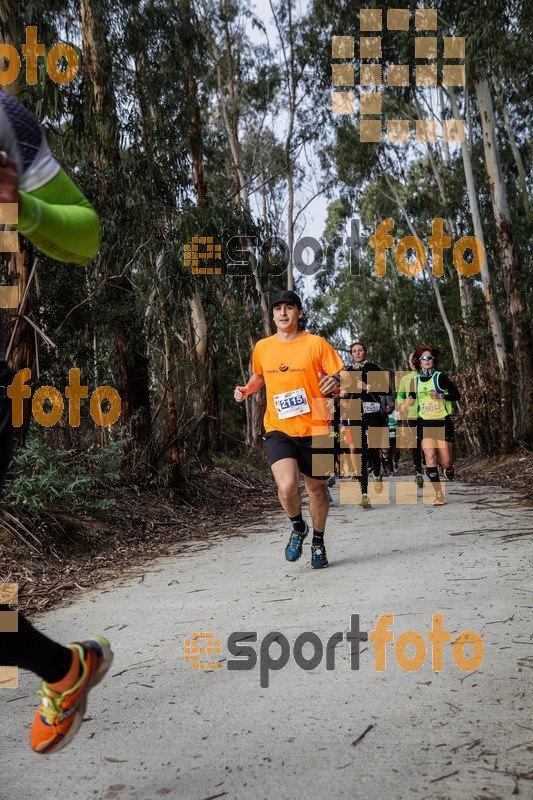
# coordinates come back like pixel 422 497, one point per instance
pixel 290 75
pixel 203 355
pixel 434 284
pixel 516 154
pixel 510 264
pixel 176 475
pixel 119 292
pixel 502 359
pixel 255 406
pixel 481 422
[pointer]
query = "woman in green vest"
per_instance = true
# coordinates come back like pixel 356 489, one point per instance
pixel 434 393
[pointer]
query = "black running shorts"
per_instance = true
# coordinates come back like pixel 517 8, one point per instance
pixel 279 445
pixel 425 428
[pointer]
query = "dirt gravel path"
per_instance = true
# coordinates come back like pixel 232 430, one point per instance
pixel 158 728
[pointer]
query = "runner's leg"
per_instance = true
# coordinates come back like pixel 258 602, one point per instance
pixel 430 455
pixel 287 477
pixel 374 455
pixel 31 650
pixel 318 502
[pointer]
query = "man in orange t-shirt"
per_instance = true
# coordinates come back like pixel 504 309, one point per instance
pixel 298 370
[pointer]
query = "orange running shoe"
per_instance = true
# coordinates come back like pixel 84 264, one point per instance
pixel 59 716
pixel 439 500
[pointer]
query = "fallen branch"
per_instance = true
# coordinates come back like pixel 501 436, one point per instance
pixel 360 738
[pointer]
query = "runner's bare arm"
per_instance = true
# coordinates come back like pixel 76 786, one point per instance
pixel 255 383
pixel 57 217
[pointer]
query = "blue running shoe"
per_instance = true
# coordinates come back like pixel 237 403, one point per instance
pixel 319 559
pixel 293 551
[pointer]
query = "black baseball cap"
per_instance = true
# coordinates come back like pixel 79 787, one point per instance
pixel 286 296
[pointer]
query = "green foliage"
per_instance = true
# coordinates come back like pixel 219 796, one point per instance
pixel 42 475
pixel 166 64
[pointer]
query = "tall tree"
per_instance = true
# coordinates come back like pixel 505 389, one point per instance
pixel 103 123
pixel 510 263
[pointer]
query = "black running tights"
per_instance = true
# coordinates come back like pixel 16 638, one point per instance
pixel 31 650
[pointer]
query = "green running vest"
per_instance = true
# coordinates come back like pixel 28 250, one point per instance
pixel 427 407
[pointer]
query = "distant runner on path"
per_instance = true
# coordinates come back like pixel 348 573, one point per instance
pixel 433 394
pixel 373 417
pixel 298 370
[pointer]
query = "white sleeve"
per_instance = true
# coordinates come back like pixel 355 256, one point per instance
pixel 23 139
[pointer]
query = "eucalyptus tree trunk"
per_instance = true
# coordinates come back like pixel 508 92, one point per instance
pixel 119 291
pixel 202 349
pixel 482 434
pixel 203 354
pixel 510 264
pixel 516 154
pixel 170 362
pixel 292 83
pixel 195 130
pixel 230 117
pixel 502 358
pixel 434 284
pixel 254 406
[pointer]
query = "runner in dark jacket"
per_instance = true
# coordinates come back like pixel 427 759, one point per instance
pixel 374 434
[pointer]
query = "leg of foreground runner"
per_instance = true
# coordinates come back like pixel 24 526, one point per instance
pixel 68 674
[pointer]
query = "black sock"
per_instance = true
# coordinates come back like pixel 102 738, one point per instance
pixel 318 537
pixel 298 523
pixel 433 475
pixel 449 472
pixel 32 650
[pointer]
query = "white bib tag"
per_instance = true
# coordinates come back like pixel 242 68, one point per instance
pixel 432 406
pixel 291 404
pixel 370 408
